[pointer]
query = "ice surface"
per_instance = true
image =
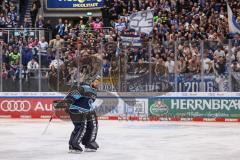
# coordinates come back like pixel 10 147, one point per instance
pixel 121 140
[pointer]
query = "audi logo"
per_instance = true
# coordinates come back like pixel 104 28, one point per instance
pixel 15 106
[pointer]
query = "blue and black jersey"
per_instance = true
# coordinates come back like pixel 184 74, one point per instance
pixel 82 98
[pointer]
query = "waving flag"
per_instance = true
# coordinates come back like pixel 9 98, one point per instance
pixel 142 21
pixel 232 22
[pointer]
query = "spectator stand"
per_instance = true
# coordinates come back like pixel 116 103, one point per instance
pixel 18 48
pixel 186 66
pixel 187 51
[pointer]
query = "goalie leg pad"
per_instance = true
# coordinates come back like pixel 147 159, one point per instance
pixel 91 130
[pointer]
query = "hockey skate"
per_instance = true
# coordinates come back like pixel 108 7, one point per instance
pixel 73 149
pixel 95 144
pixel 91 147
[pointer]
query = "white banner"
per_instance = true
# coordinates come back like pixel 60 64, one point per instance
pixel 129 106
pixel 131 41
pixel 142 21
pixel 233 25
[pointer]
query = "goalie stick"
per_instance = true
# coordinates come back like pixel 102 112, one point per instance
pixel 46 128
pixel 55 103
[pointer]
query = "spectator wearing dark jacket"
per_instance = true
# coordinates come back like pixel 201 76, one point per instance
pixel 27 55
pixel 33 14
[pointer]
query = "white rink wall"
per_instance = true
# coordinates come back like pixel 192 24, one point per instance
pixel 172 106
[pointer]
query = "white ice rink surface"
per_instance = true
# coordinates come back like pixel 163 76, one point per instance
pixel 121 140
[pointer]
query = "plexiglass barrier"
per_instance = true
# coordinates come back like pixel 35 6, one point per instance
pixel 125 64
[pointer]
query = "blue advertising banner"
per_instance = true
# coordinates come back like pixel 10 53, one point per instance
pixel 74 4
pixel 211 83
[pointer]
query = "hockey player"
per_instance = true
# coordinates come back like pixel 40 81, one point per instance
pixel 83 116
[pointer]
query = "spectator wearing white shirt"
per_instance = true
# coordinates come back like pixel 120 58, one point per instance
pixel 219 52
pixel 32 67
pixel 170 65
pixel 43 46
pixel 207 64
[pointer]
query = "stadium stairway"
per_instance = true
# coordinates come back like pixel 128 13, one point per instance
pixel 23 9
pixel 26 11
pixel 29 6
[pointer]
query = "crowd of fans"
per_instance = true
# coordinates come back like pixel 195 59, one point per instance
pixel 11 10
pixel 188 38
pixel 9 17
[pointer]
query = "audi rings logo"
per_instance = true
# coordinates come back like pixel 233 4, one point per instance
pixel 15 106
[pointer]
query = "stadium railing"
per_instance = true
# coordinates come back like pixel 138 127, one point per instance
pixel 6 34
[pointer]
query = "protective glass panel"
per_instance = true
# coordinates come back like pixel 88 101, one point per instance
pixel 19 49
pixel 30 59
pixel 219 51
pixel 136 62
pixel 110 68
pixel 235 65
pixel 208 62
pixel 10 68
pixel 163 66
pixel 188 66
pixel 2 71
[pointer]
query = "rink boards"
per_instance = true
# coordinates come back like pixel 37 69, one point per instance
pixel 202 107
